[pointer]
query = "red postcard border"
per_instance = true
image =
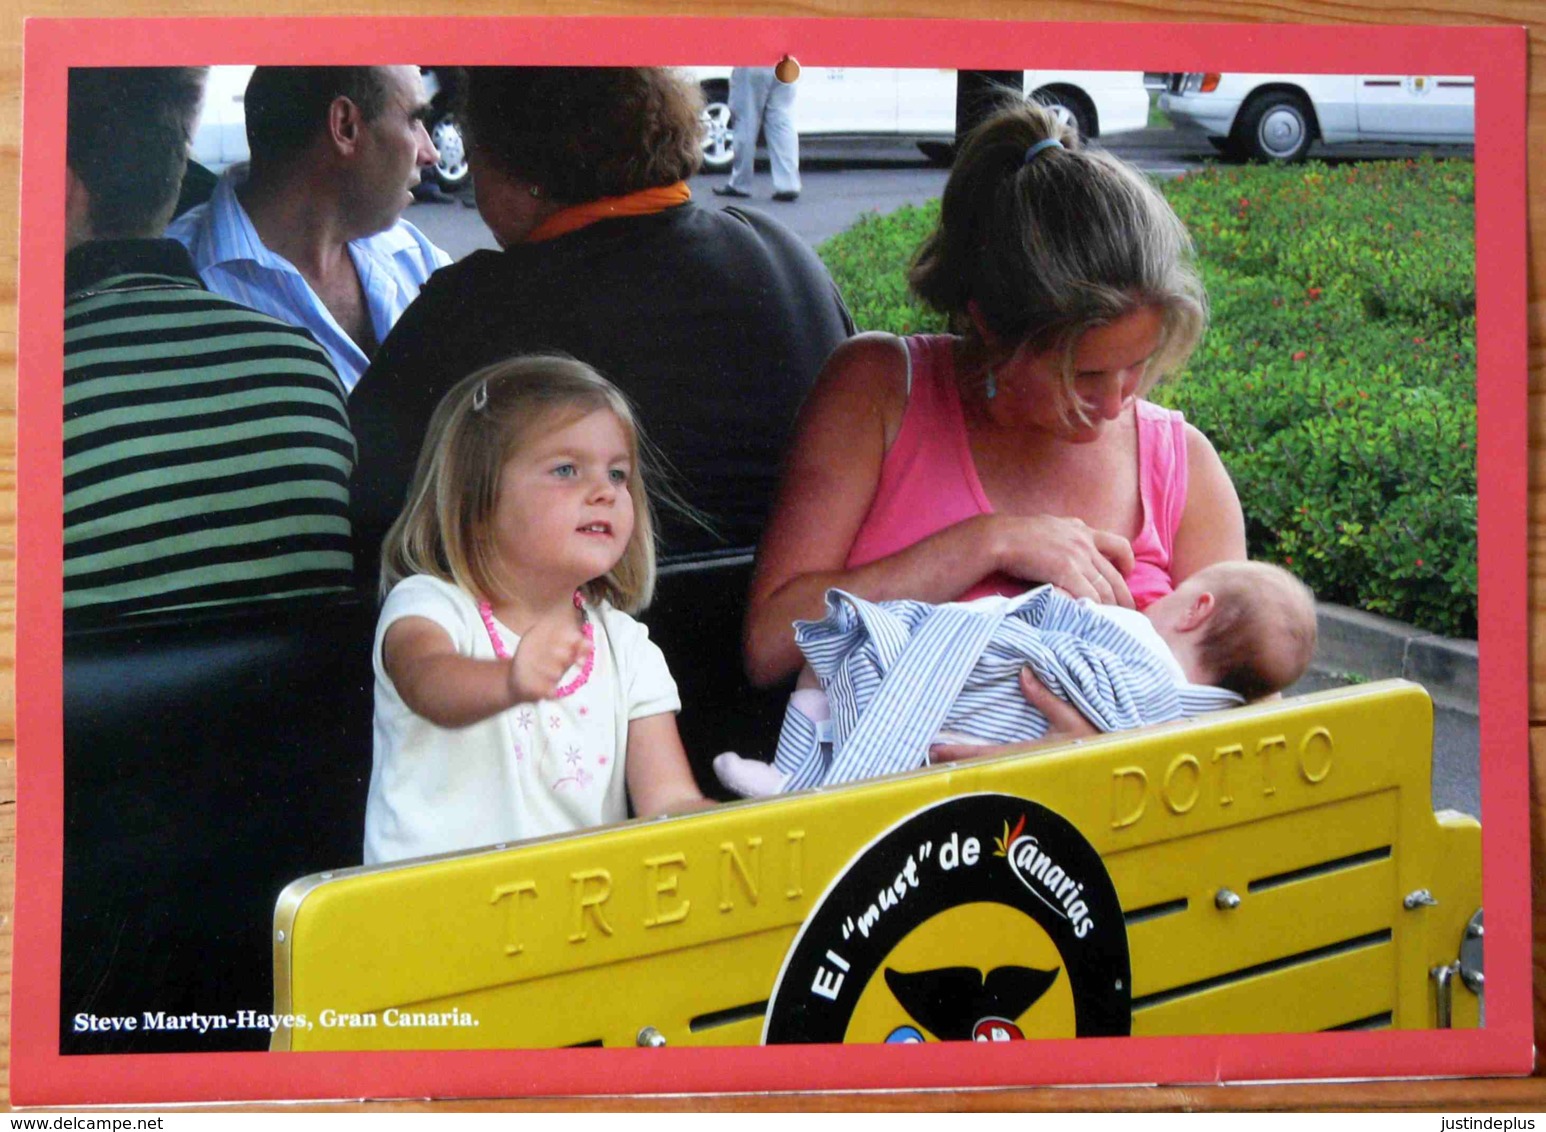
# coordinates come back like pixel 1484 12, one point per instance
pixel 1496 56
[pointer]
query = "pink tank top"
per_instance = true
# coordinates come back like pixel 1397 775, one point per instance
pixel 928 481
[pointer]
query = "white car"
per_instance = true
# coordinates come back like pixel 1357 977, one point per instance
pixel 919 103
pixel 220 138
pixel 1278 117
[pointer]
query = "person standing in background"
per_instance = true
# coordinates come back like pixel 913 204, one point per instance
pixel 761 102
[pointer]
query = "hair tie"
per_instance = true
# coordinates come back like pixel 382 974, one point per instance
pixel 1045 143
pixel 480 397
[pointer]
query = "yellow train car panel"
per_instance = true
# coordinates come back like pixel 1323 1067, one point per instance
pixel 1272 868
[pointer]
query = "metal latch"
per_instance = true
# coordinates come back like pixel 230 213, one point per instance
pixel 1468 967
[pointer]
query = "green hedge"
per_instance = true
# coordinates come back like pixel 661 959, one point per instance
pixel 1338 377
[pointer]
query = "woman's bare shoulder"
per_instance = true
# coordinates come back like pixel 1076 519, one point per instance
pixel 866 375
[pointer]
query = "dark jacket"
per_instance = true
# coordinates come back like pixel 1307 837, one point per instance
pixel 714 323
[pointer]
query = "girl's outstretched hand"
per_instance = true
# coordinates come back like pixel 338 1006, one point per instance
pixel 552 646
pixel 1070 554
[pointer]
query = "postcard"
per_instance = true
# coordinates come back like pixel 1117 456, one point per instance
pixel 263 851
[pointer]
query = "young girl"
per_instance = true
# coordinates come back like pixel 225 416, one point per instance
pixel 1018 449
pixel 515 696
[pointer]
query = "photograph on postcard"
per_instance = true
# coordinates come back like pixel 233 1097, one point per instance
pixel 572 557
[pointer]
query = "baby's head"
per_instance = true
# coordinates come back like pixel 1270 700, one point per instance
pixel 487 419
pixel 1245 626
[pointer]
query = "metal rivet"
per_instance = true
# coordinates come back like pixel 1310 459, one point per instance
pixel 280 936
pixel 1422 898
pixel 651 1038
pixel 503 845
pixel 1119 984
pixel 327 876
pixel 1226 899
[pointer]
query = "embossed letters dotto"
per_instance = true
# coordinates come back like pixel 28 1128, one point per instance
pixel 1184 783
pixel 1123 817
pixel 1315 755
pixel 1179 798
pixel 1264 751
pixel 1221 757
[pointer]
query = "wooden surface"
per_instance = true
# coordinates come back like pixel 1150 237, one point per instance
pixel 1449 1095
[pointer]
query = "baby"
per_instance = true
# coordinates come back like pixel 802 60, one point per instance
pixel 1231 633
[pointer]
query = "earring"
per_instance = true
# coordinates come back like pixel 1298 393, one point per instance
pixel 535 190
pixel 992 384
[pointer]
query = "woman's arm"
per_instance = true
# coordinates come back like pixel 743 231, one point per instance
pixel 659 778
pixel 1212 527
pixel 830 477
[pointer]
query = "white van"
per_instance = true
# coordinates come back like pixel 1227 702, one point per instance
pixel 920 103
pixel 1278 117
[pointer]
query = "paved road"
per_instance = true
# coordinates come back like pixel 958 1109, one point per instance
pixel 844 180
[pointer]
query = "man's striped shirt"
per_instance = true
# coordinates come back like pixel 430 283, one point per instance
pixel 207 449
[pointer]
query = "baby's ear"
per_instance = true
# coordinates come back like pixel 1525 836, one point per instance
pixel 1198 611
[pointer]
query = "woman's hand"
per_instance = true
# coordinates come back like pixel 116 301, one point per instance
pixel 1064 722
pixel 1070 554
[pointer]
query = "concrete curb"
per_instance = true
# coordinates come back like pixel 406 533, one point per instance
pixel 1378 648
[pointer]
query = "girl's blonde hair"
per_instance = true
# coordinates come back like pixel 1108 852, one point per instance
pixel 1043 246
pixel 483 421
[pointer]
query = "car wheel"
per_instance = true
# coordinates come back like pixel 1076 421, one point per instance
pixel 451 171
pixel 1277 126
pixel 1071 109
pixel 718 135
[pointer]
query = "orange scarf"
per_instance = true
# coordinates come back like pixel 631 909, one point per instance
pixel 645 202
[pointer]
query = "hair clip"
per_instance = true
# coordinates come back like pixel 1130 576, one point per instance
pixel 480 397
pixel 1045 143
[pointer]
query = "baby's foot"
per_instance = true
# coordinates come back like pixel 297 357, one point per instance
pixel 748 778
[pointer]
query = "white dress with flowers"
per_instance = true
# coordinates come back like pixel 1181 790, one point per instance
pixel 549 767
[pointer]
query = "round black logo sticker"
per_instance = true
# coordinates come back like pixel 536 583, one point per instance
pixel 984 918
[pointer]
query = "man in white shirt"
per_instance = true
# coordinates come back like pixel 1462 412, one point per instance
pixel 312 233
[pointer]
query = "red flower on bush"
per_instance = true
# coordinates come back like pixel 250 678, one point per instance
pixel 1301 355
pixel 1419 561
pixel 1314 292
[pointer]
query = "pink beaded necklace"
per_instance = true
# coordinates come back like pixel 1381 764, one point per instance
pixel 586 629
